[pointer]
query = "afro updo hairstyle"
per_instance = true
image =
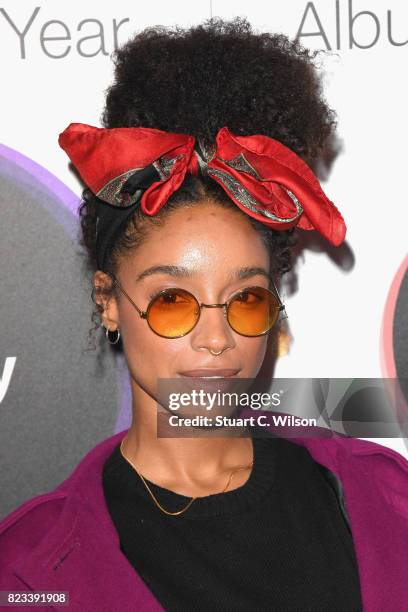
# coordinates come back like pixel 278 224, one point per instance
pixel 195 81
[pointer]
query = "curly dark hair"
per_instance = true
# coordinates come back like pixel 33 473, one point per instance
pixel 197 80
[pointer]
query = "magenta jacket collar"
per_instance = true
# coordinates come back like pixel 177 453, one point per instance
pixel 80 552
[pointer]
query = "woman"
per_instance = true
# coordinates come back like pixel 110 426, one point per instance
pixel 188 242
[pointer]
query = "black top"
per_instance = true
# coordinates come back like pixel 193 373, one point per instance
pixel 279 542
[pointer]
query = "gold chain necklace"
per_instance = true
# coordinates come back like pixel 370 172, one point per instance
pixel 244 467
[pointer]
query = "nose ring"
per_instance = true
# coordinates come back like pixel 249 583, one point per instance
pixel 219 352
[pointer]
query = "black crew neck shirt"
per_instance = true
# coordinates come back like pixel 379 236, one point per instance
pixel 278 542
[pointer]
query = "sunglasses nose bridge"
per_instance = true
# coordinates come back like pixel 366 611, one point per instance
pixel 223 306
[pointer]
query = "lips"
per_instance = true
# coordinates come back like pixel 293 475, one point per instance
pixel 211 373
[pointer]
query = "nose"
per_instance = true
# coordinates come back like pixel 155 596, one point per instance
pixel 212 331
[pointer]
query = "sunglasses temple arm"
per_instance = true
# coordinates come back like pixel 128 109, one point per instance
pixel 282 307
pixel 142 313
pixel 277 292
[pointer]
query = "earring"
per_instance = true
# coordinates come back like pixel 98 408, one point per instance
pixel 284 340
pixel 108 331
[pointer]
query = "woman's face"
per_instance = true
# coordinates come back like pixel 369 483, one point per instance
pixel 212 244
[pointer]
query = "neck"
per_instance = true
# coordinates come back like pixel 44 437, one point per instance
pixel 198 464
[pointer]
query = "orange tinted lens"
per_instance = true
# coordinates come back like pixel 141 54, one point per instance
pixel 253 311
pixel 173 313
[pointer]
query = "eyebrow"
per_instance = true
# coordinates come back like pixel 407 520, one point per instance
pixel 182 272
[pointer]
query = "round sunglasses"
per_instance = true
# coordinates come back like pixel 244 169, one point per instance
pixel 174 312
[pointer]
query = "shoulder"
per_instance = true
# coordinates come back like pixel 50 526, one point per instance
pixel 353 459
pixel 23 529
pixel 26 525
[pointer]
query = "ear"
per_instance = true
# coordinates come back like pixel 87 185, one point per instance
pixel 106 300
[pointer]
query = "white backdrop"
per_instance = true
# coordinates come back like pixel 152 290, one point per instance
pixel 56 66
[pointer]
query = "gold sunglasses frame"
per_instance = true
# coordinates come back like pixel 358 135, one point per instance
pixel 144 313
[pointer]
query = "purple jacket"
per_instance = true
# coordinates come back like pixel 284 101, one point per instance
pixel 65 540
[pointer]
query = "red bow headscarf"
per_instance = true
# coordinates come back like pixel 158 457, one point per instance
pixel 125 167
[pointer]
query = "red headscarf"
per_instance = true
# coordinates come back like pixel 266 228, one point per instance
pixel 125 167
